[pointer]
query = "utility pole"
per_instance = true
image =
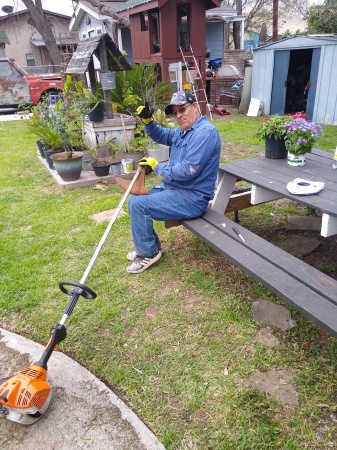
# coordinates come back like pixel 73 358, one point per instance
pixel 275 20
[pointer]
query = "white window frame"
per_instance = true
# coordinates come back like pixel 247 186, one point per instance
pixel 91 32
pixel 30 59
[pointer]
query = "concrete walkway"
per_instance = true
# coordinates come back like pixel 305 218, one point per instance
pixel 83 413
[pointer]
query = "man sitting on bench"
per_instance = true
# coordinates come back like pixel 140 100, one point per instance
pixel 188 179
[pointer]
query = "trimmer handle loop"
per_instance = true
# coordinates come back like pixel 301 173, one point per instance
pixel 82 290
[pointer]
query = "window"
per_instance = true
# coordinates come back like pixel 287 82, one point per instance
pixel 30 59
pixel 183 27
pixel 155 32
pixel 7 70
pixel 98 30
pixel 84 35
pixel 144 21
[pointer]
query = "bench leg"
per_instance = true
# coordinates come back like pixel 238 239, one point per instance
pixel 172 223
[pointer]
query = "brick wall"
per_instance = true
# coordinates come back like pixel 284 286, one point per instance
pixel 235 58
pixel 223 84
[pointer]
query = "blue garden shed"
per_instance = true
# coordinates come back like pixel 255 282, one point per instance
pixel 298 74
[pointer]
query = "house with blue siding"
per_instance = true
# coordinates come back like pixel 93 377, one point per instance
pixel 298 74
pixel 218 22
pixel 88 21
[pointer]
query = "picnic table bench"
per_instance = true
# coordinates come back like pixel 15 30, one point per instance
pixel 308 290
pixel 311 292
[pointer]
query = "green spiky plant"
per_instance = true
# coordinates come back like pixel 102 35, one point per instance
pixel 134 87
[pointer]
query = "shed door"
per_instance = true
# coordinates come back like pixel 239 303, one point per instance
pixel 316 53
pixel 279 88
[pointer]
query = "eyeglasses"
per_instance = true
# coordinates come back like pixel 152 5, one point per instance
pixel 181 110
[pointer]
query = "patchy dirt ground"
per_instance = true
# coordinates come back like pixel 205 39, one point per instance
pixel 324 257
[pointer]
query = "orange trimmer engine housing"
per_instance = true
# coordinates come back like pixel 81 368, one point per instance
pixel 25 396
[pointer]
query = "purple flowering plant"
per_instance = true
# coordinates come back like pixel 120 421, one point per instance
pixel 301 135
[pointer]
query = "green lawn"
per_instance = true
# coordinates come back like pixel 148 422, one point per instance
pixel 177 341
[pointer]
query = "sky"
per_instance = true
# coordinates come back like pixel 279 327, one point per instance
pixel 58 6
pixel 65 6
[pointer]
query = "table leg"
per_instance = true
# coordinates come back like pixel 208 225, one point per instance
pixel 223 192
pixel 261 195
pixel 329 225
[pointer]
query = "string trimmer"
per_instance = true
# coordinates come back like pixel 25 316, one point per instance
pixel 25 397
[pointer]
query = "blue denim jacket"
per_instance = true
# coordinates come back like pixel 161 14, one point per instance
pixel 194 159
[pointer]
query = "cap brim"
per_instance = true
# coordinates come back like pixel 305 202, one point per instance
pixel 169 110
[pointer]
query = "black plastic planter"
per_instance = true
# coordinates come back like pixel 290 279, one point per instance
pixel 97 114
pixel 101 170
pixel 275 149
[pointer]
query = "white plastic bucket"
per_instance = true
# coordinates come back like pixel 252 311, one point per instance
pixel 127 164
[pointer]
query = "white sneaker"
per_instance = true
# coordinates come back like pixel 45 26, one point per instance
pixel 141 263
pixel 131 256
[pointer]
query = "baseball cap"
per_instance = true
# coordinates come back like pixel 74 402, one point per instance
pixel 179 98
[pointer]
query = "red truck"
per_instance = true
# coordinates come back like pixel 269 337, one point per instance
pixel 17 87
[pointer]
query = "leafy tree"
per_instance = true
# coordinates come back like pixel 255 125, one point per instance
pixel 323 18
pixel 257 12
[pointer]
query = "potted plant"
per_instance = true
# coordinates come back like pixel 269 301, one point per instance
pixel 273 133
pixel 104 159
pixel 300 137
pixel 60 129
pixel 94 103
pixel 87 102
pixel 41 125
pixel 67 123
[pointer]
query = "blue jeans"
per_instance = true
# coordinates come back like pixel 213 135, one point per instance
pixel 160 205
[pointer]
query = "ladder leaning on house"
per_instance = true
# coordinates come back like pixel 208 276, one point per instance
pixel 200 89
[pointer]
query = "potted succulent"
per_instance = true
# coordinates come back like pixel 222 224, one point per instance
pixel 273 133
pixel 300 137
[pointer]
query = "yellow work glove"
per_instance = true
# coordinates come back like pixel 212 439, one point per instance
pixel 145 113
pixel 149 164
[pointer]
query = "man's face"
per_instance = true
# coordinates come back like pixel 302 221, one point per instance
pixel 185 115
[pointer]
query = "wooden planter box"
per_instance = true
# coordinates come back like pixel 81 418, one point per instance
pixel 109 130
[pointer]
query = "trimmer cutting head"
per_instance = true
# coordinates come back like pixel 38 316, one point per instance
pixel 25 397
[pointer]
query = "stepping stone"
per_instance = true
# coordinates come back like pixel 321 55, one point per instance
pixel 277 383
pixel 274 315
pixel 106 215
pixel 300 245
pixel 265 337
pixel 305 223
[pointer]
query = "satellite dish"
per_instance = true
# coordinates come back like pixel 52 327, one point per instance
pixel 7 9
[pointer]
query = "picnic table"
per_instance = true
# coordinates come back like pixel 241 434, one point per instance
pixel 310 291
pixel 269 178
